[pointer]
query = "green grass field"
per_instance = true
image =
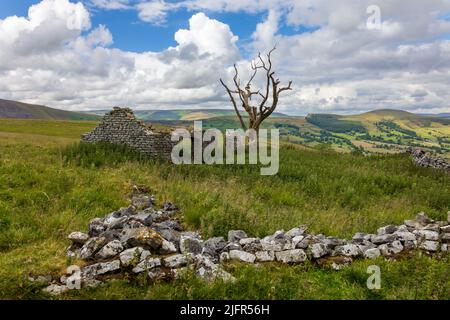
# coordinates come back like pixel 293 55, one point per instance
pixel 50 186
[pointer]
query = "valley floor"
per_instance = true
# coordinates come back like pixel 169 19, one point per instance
pixel 50 186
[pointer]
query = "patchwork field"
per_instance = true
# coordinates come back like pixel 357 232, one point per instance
pixel 50 186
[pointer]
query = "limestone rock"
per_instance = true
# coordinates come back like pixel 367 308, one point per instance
pixel 427 234
pixel 386 230
pixel 78 237
pixel 372 253
pixel 291 256
pixel 385 238
pixel 429 245
pixel 90 248
pixel 236 235
pixel 175 261
pixel 242 256
pixel 147 264
pixel 265 256
pixel 133 256
pixel 189 244
pixel 348 250
pixel 56 289
pixel 110 250
pixel 318 250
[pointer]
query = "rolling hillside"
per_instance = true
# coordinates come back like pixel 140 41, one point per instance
pixel 18 110
pixel 181 114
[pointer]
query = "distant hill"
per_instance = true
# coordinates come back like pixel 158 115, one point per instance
pixel 18 110
pixel 440 115
pixel 181 114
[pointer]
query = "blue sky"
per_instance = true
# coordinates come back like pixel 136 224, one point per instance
pixel 132 34
pixel 63 56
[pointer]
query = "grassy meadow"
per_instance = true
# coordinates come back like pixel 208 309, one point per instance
pixel 50 185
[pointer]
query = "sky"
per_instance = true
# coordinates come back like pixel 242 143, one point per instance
pixel 342 56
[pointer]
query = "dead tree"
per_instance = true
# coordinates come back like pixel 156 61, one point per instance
pixel 263 108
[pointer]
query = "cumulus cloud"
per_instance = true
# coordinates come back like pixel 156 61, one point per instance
pixel 55 56
pixel 75 68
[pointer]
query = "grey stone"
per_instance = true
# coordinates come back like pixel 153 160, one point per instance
pixel 90 248
pixel 427 234
pixel 445 237
pixel 148 239
pixel 385 238
pixel 232 246
pixel 372 253
pixel 56 289
pixel 389 249
pixel 170 235
pixel 100 268
pixel 189 244
pixel 429 245
pixel 270 244
pixel 291 256
pixel 175 261
pixel 96 227
pixel 446 229
pixel 141 202
pixel 132 256
pixel 143 217
pixel 242 256
pixel 297 231
pixel 265 256
pixel 432 227
pixel 296 240
pixel 405 236
pixel 224 256
pixel 167 247
pixel 110 250
pixel 251 244
pixel 147 264
pixel 387 230
pixel 209 271
pixel 332 242
pixel 348 250
pixel 318 250
pixel 168 224
pixel 214 246
pixel 78 237
pixel 423 219
pixel 236 235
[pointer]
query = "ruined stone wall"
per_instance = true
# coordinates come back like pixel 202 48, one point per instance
pixel 422 159
pixel 120 126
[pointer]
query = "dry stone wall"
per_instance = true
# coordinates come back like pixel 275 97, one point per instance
pixel 120 126
pixel 145 239
pixel 423 159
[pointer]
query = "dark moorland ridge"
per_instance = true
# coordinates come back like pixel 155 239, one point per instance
pixel 18 110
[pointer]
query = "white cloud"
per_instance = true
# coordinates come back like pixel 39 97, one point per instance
pixel 154 11
pixel 112 4
pixel 54 56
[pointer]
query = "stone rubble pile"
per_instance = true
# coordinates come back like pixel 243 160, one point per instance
pixel 120 126
pixel 143 239
pixel 422 159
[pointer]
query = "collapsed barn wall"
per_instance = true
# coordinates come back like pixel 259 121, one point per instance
pixel 120 126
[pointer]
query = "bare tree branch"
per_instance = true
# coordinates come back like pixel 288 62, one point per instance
pixel 257 114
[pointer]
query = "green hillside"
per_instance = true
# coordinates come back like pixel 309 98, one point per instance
pixel 18 110
pixel 181 114
pixel 51 186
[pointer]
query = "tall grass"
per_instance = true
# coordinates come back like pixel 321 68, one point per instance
pixel 47 191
